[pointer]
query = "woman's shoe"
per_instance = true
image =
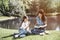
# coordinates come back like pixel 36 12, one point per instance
pixel 46 32
pixel 41 34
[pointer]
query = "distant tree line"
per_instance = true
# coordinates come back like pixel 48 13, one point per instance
pixel 23 7
pixel 49 6
pixel 12 7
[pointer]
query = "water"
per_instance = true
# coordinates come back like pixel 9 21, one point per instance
pixel 57 28
pixel 53 23
pixel 10 24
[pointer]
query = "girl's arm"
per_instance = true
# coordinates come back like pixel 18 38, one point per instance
pixel 28 28
pixel 27 25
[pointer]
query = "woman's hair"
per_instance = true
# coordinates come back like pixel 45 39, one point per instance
pixel 41 11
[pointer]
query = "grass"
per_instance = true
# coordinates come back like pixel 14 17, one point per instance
pixel 53 35
pixel 2 18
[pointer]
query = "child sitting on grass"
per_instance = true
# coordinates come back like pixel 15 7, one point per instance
pixel 24 29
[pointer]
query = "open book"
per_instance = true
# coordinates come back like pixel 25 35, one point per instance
pixel 42 26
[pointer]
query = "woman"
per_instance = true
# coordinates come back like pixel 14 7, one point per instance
pixel 41 23
pixel 24 29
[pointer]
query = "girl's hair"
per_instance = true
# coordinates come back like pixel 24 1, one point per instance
pixel 24 17
pixel 41 11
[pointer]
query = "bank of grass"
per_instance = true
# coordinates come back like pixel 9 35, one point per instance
pixel 53 35
pixel 2 18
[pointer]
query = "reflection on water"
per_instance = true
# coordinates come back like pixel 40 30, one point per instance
pixel 10 24
pixel 57 28
pixel 52 21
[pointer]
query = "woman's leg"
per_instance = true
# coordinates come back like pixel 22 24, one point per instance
pixel 35 31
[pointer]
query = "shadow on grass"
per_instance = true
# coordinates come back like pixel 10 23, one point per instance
pixel 8 36
pixel 12 35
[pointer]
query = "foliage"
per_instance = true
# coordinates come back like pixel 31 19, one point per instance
pixel 12 7
pixel 53 35
pixel 49 6
pixel 21 7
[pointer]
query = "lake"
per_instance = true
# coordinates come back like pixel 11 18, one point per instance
pixel 52 21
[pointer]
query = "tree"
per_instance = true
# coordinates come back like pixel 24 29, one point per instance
pixel 12 7
pixel 49 6
pixel 40 4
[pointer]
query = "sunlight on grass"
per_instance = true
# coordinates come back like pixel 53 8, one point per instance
pixel 53 35
pixel 2 18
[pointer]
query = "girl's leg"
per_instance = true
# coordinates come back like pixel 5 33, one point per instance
pixel 22 33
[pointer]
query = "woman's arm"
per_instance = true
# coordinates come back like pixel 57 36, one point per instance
pixel 45 23
pixel 37 20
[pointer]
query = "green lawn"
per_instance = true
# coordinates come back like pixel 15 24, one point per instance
pixel 2 17
pixel 53 35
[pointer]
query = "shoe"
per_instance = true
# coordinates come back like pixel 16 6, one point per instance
pixel 41 34
pixel 46 32
pixel 16 36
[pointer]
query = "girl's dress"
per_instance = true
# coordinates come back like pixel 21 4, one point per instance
pixel 24 29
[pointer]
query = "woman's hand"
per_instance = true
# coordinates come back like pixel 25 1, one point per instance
pixel 43 25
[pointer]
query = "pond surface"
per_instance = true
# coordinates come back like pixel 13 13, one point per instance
pixel 52 21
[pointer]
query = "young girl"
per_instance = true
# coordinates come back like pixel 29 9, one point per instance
pixel 24 29
pixel 41 23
